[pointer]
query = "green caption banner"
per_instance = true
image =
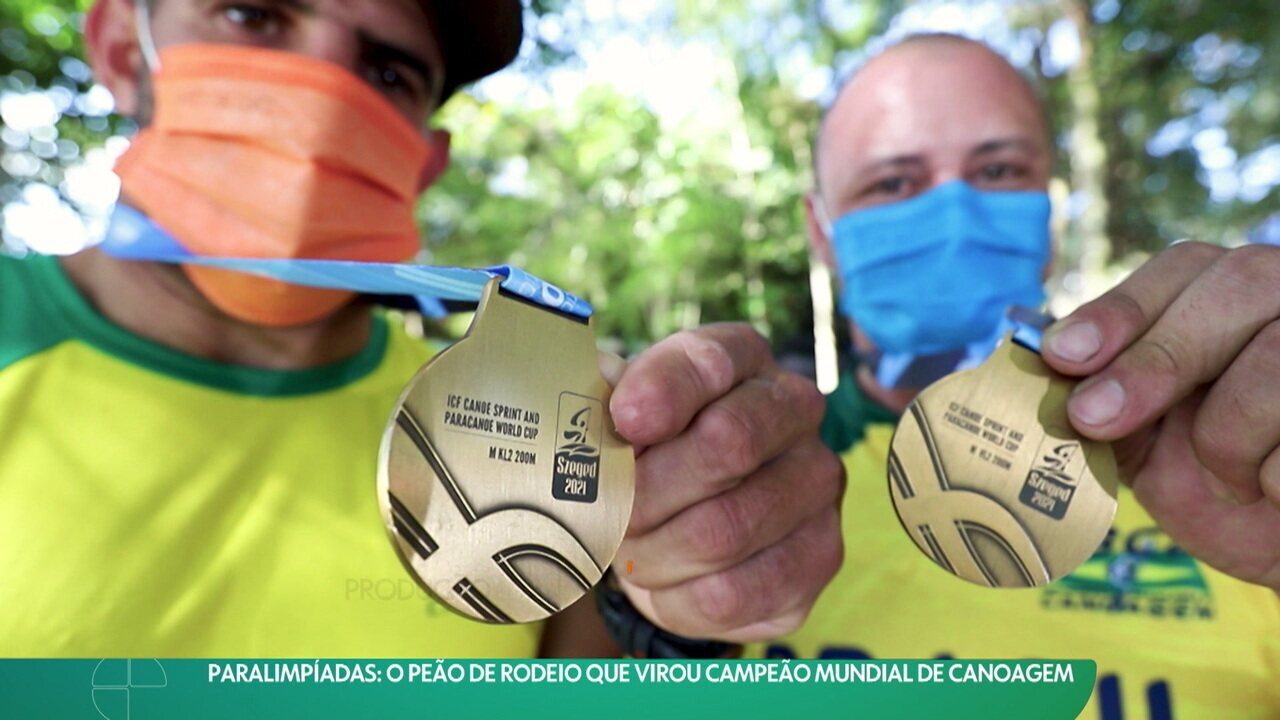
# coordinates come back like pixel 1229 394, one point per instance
pixel 618 689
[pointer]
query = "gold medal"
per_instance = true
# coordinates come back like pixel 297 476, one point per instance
pixel 501 479
pixel 991 481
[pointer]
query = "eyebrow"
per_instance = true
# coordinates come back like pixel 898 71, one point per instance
pixel 991 147
pixel 375 47
pixel 897 161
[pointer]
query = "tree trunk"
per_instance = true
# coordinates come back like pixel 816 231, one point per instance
pixel 1089 158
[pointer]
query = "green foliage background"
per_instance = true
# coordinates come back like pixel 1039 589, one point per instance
pixel 664 227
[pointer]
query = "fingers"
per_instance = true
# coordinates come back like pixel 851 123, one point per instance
pixel 1237 426
pixel 767 595
pixel 734 525
pixel 611 367
pixel 1190 343
pixel 1182 359
pixel 1086 340
pixel 718 556
pixel 1179 494
pixel 726 441
pixel 667 385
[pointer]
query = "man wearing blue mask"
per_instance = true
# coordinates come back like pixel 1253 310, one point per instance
pixel 931 207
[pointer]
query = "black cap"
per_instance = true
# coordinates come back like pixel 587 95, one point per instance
pixel 477 37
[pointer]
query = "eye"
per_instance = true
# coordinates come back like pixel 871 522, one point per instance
pixel 395 78
pixel 999 172
pixel 256 19
pixel 407 81
pixel 889 187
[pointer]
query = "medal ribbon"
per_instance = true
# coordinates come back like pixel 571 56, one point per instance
pixel 131 235
pixel 1028 326
pixel 895 370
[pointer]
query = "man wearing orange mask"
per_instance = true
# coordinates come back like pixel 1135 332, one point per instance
pixel 186 453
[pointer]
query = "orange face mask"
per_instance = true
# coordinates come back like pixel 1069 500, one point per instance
pixel 266 154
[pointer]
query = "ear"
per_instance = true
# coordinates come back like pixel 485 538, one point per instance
pixel 111 39
pixel 437 159
pixel 819 243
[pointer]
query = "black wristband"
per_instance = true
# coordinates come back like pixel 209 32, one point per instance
pixel 642 639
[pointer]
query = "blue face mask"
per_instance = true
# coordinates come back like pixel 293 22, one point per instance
pixel 934 274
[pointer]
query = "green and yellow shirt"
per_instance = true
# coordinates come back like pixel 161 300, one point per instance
pixel 1172 637
pixel 155 504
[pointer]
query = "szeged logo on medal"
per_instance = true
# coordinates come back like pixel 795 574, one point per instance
pixel 576 473
pixel 1053 480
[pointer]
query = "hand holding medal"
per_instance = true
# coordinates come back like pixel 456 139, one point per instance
pixel 1175 370
pixel 1179 369
pixel 734 529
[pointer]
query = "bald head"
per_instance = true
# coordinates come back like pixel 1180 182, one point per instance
pixel 931 109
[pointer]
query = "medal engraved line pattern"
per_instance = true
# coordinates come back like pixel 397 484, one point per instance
pixel 491 535
pixel 927 507
pixel 900 477
pixel 931 446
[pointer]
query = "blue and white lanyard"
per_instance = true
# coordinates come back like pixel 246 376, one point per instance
pixel 131 235
pixel 912 370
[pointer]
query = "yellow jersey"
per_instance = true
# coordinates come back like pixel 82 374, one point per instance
pixel 1172 637
pixel 154 504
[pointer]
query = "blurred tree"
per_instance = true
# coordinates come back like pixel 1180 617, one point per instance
pixel 655 227
pixel 1168 123
pixel 1190 95
pixel 53 115
pixel 1089 153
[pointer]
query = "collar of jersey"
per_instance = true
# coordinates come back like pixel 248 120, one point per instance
pixel 94 329
pixel 849 413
